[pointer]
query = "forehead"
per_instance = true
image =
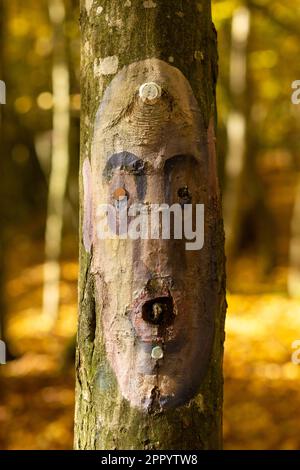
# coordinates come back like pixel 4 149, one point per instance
pixel 126 129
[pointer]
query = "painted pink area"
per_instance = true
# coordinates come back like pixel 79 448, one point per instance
pixel 87 229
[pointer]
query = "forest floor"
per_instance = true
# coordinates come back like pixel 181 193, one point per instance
pixel 262 400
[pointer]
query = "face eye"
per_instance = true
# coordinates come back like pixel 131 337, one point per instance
pixel 184 195
pixel 120 197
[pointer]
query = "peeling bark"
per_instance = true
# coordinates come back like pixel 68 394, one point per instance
pixel 151 320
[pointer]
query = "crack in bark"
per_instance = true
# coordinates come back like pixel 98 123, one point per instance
pixel 154 407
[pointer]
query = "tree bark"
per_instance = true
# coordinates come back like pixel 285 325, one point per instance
pixel 294 249
pixel 123 43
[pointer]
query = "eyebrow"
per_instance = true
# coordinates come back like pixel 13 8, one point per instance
pixel 124 161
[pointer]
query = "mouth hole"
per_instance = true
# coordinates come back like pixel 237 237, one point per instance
pixel 158 311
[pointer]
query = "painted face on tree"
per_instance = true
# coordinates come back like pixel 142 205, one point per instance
pixel 155 306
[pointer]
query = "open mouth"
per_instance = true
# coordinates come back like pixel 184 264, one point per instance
pixel 153 318
pixel 158 311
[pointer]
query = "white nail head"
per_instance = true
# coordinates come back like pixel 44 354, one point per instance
pixel 157 353
pixel 150 92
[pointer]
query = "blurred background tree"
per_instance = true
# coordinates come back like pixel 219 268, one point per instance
pixel 259 160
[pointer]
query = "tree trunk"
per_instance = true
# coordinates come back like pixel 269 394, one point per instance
pixel 2 101
pixel 293 282
pixel 244 198
pixel 236 129
pixel 5 352
pixel 151 310
pixel 59 164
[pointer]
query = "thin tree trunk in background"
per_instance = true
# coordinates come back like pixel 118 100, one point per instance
pixel 150 69
pixel 236 129
pixel 59 163
pixel 4 210
pixel 3 185
pixel 1 214
pixel 294 249
pixel 244 196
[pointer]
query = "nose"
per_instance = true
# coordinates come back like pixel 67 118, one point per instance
pixel 158 311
